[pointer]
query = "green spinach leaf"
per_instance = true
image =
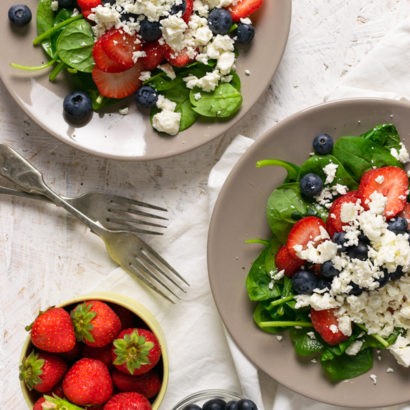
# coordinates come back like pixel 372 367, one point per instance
pixel 45 21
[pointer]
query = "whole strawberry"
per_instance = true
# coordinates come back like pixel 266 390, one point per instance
pixel 148 384
pixel 128 401
pixel 87 383
pixel 42 371
pixel 53 331
pixel 95 323
pixel 54 403
pixel 136 351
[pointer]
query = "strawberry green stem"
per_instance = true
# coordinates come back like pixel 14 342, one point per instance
pixel 47 34
pixel 281 301
pixel 285 323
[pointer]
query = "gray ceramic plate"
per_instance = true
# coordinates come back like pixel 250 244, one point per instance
pixel 239 214
pixel 131 137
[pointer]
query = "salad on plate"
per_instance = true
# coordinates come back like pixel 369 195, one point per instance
pixel 336 271
pixel 176 58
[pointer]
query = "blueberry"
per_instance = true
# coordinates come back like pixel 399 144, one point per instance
pixel 397 274
pixel 356 290
pixel 67 4
pixel 146 96
pixel 339 238
pixel 304 282
pixel 178 7
pixel 128 17
pixel 77 106
pixel 192 407
pixel 397 225
pixel 245 33
pixel 219 21
pixel 232 405
pixel 246 404
pixel 150 30
pixel 20 15
pixel 324 283
pixel 311 185
pixel 328 270
pixel 323 144
pixel 111 2
pixel 358 252
pixel 214 404
pixel 383 279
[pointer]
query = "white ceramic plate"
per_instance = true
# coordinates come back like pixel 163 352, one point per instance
pixel 239 214
pixel 131 137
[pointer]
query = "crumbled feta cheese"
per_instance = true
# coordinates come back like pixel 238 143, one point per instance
pixel 373 378
pixel 354 348
pixel 330 172
pixel 401 351
pixel 168 70
pixel 167 121
pixel 402 155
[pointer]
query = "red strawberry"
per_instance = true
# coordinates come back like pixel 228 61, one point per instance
pixel 95 323
pixel 285 261
pixel 127 318
pixel 390 181
pixel 154 55
pixel 189 7
pixel 136 351
pixel 117 85
pixel 53 331
pixel 176 58
pixel 42 371
pixel 104 354
pixel 88 383
pixel 244 8
pixel 74 354
pixel 305 230
pixel 120 47
pixel 147 384
pixel 405 213
pixel 334 223
pixel 102 61
pixel 38 405
pixel 86 6
pixel 128 401
pixel 325 323
pixel 55 403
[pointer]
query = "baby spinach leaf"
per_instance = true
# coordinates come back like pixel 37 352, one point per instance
pixel 305 345
pixel 45 21
pixel 292 169
pixel 223 102
pixel 74 46
pixel 385 135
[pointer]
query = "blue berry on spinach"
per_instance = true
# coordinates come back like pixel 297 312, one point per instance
pixel 304 282
pixel 146 96
pixel 246 404
pixel 323 144
pixel 19 15
pixel 214 404
pixel 311 185
pixel 77 106
pixel 219 21
pixel 328 270
pixel 150 30
pixel 245 33
pixel 397 225
pixel 67 4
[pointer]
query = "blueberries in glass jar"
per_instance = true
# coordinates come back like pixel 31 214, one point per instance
pixel 232 405
pixel 192 407
pixel 150 30
pixel 304 282
pixel 67 4
pixel 19 15
pixel 245 33
pixel 77 107
pixel 323 144
pixel 214 404
pixel 219 21
pixel 146 96
pixel 328 270
pixel 246 404
pixel 311 185
pixel 397 225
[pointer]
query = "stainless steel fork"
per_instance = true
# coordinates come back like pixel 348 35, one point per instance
pixel 112 211
pixel 125 248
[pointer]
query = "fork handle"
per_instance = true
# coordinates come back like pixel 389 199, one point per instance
pixel 18 170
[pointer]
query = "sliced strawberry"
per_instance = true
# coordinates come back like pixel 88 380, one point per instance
pixel 154 55
pixel 285 261
pixel 117 85
pixel 305 230
pixel 325 323
pixel 405 213
pixel 244 8
pixel 334 222
pixel 120 47
pixel 86 6
pixel 390 181
pixel 176 58
pixel 102 61
pixel 189 7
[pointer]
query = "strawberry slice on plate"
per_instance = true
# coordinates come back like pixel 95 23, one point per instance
pixel 102 61
pixel 285 261
pixel 334 221
pixel 244 8
pixel 325 323
pixel 189 7
pixel 117 85
pixel 154 55
pixel 308 229
pixel 390 181
pixel 120 47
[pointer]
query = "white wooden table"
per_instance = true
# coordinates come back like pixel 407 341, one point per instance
pixel 45 256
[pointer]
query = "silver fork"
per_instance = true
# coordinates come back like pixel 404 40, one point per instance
pixel 125 248
pixel 115 212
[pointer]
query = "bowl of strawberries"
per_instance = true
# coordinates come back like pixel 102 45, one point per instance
pixel 99 351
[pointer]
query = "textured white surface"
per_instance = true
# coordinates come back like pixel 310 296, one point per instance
pixel 47 257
